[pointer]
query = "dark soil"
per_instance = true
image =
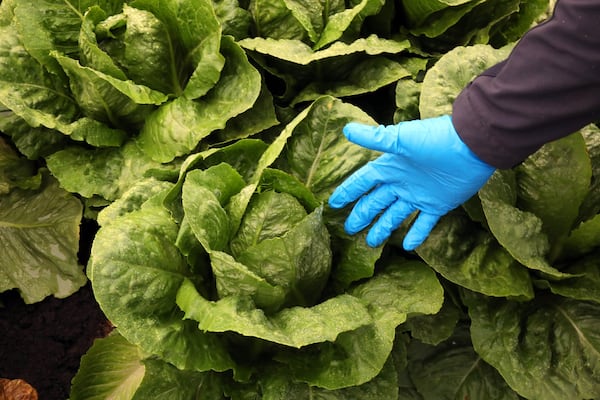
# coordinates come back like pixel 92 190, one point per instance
pixel 42 343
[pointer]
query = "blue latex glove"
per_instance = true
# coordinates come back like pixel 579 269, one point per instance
pixel 426 167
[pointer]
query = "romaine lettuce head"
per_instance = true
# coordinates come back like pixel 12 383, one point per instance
pixel 225 260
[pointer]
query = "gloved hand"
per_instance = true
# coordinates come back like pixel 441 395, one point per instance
pixel 426 167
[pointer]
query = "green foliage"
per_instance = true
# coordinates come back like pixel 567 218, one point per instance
pixel 205 138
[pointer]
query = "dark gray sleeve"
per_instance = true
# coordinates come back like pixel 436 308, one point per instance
pixel 548 88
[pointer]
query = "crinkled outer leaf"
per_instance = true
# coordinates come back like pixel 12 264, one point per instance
pixel 466 254
pixel 591 205
pixel 204 193
pixel 586 283
pixel 163 381
pixel 552 184
pixel 294 326
pixel 111 369
pixel 39 241
pixel 108 99
pixel 453 370
pixel 132 199
pixel 269 215
pixel 16 171
pixel 273 19
pixel 434 329
pixel 280 181
pixel 177 127
pixel 367 76
pixel 107 172
pixel 236 279
pixel 93 132
pixel 194 25
pixel 356 357
pixel 546 349
pixel 278 386
pixel 238 203
pixel 419 11
pixel 298 260
pixel 42 34
pixel 136 271
pixel 318 154
pixel 33 97
pixel 144 49
pixel 337 24
pixel 520 232
pixel 235 20
pixel 583 239
pixel 452 72
pixel 33 143
pixel 473 26
pixel 313 14
pixel 355 259
pixel 242 155
pixel 300 53
pixel 90 54
pixel 407 100
pixel 512 27
pixel 26 88
pixel 259 118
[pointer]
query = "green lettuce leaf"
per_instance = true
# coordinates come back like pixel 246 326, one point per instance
pixel 299 261
pixel 586 282
pixel 547 349
pixel 582 240
pixel 528 213
pixel 235 20
pixel 453 370
pixel 366 76
pixel 26 88
pixel 195 31
pixel 42 35
pixel 300 53
pixel 108 99
pixel 591 204
pixel 107 172
pixel 468 255
pixel 257 119
pixel 294 326
pixel 132 199
pixel 451 73
pixel 552 184
pixel 278 386
pixel 39 242
pixel 348 361
pixel 177 127
pixel 16 171
pixel 140 44
pixel 318 154
pixel 111 368
pixel 136 271
pixel 90 54
pixel 163 380
pixel 273 19
pixel 269 215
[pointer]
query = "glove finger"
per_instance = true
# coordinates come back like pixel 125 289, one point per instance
pixel 388 222
pixel 356 185
pixel 396 139
pixel 380 138
pixel 419 230
pixel 368 207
